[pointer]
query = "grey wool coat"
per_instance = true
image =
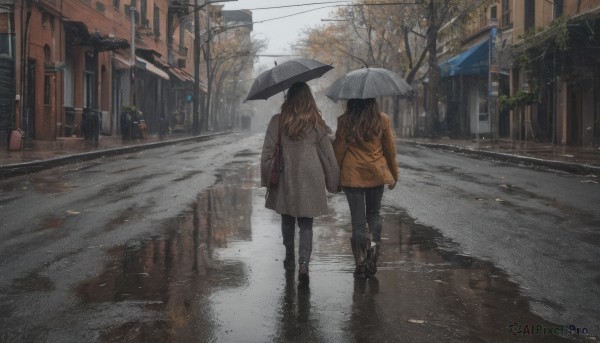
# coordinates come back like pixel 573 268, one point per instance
pixel 309 169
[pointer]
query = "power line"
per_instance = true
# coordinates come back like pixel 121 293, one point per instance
pixel 297 5
pixel 335 2
pixel 291 15
pixel 320 8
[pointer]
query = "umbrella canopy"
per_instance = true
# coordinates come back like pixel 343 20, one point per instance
pixel 284 75
pixel 368 83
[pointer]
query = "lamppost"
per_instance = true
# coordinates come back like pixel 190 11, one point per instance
pixel 196 104
pixel 132 57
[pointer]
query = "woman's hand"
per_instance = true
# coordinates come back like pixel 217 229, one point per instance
pixel 392 185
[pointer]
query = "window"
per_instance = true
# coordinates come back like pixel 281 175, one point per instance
pixel 144 12
pixel 506 20
pixel 88 90
pixel 48 20
pixel 494 12
pixel 529 15
pixel 100 7
pixel 182 29
pixel 558 8
pixel 156 21
pixel 116 4
pixel 47 54
pixel 47 89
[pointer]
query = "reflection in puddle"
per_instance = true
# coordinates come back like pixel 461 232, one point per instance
pixel 216 274
pixel 460 297
pixel 168 273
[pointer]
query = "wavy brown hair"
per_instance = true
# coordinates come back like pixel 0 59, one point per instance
pixel 361 121
pixel 299 112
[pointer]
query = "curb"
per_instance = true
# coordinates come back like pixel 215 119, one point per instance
pixel 11 170
pixel 569 167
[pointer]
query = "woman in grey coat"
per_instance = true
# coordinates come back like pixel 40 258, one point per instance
pixel 309 168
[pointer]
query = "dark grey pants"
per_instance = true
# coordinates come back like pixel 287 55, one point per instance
pixel 365 207
pixel 288 229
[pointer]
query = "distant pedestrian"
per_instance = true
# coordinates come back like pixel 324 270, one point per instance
pixel 308 169
pixel 366 153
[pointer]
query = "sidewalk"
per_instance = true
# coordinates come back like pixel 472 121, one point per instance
pixel 38 155
pixel 46 154
pixel 578 160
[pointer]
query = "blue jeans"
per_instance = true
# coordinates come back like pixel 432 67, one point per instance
pixel 365 208
pixel 288 229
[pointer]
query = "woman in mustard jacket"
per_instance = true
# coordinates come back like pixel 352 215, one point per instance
pixel 366 153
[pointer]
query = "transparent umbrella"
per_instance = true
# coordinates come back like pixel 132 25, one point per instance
pixel 368 83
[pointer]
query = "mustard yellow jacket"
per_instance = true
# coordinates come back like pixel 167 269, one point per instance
pixel 367 164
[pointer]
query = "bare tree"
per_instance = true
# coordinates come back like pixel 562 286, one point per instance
pixel 401 37
pixel 233 64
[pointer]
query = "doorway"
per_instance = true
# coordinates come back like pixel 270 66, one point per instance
pixel 574 115
pixel 28 121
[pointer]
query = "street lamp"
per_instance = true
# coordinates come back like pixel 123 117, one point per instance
pixel 196 107
pixel 132 58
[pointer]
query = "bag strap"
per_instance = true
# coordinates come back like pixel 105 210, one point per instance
pixel 280 128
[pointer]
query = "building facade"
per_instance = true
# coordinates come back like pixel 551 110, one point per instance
pixel 526 70
pixel 556 72
pixel 71 66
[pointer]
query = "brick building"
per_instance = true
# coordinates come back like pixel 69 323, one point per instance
pixel 65 63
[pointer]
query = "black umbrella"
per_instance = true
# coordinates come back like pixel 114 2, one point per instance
pixel 284 75
pixel 368 83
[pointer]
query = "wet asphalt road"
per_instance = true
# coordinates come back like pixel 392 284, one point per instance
pixel 174 244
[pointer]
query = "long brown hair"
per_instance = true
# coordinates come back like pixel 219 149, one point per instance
pixel 299 112
pixel 361 121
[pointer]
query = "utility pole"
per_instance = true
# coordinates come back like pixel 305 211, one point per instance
pixel 208 76
pixel 196 95
pixel 493 85
pixel 195 104
pixel 132 57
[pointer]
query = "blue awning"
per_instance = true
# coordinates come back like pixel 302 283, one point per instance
pixel 473 61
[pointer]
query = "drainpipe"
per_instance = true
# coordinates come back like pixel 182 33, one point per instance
pixel 9 34
pixel 554 100
pixel 25 67
pixel 132 57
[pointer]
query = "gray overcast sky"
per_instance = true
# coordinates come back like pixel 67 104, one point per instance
pixel 281 33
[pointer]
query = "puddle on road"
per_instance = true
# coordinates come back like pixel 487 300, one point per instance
pixel 216 274
pixel 33 282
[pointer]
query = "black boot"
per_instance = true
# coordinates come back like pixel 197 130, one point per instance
pixel 372 256
pixel 290 258
pixel 303 273
pixel 359 250
pixel 376 251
